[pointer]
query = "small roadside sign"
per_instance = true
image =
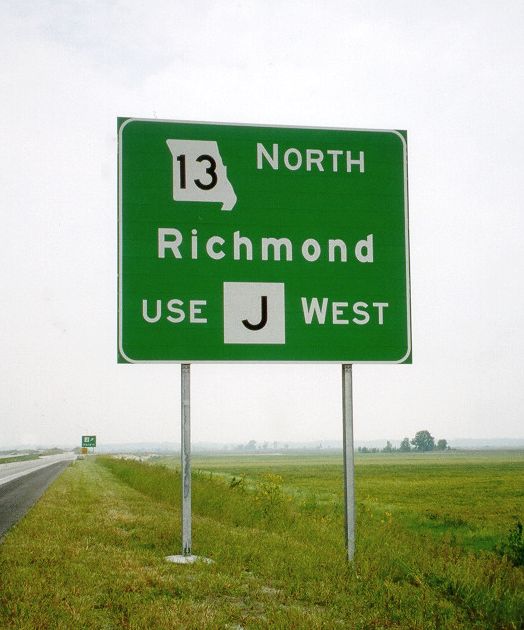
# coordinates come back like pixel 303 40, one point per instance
pixel 89 441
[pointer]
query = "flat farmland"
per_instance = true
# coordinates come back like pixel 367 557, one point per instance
pixel 437 545
pixel 474 497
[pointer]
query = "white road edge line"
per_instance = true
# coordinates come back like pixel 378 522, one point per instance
pixel 29 470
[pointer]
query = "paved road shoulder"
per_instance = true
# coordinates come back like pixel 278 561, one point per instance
pixel 19 495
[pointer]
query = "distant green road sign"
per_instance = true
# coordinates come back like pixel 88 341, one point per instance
pixel 248 243
pixel 88 441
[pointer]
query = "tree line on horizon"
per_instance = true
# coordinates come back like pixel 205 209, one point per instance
pixel 423 442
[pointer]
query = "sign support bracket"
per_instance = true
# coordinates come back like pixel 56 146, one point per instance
pixel 349 456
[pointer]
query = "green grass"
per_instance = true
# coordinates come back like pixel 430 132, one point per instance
pixel 91 552
pixel 18 458
pixel 473 497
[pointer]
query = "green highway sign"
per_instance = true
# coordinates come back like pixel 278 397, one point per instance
pixel 88 441
pixel 257 243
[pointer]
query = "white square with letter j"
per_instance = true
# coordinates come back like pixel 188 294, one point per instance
pixel 254 312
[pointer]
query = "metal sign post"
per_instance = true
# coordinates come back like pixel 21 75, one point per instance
pixel 185 458
pixel 349 476
pixel 185 453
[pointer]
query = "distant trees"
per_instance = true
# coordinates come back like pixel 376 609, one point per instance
pixel 365 449
pixel 250 447
pixel 423 441
pixel 405 445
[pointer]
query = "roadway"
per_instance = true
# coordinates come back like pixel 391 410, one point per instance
pixel 23 483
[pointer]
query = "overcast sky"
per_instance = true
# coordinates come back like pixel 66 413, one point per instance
pixel 450 73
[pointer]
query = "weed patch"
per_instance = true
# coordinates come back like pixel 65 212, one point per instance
pixel 513 546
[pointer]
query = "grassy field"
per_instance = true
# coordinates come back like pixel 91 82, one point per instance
pixel 474 497
pixel 431 531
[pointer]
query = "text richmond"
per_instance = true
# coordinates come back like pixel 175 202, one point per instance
pixel 172 243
